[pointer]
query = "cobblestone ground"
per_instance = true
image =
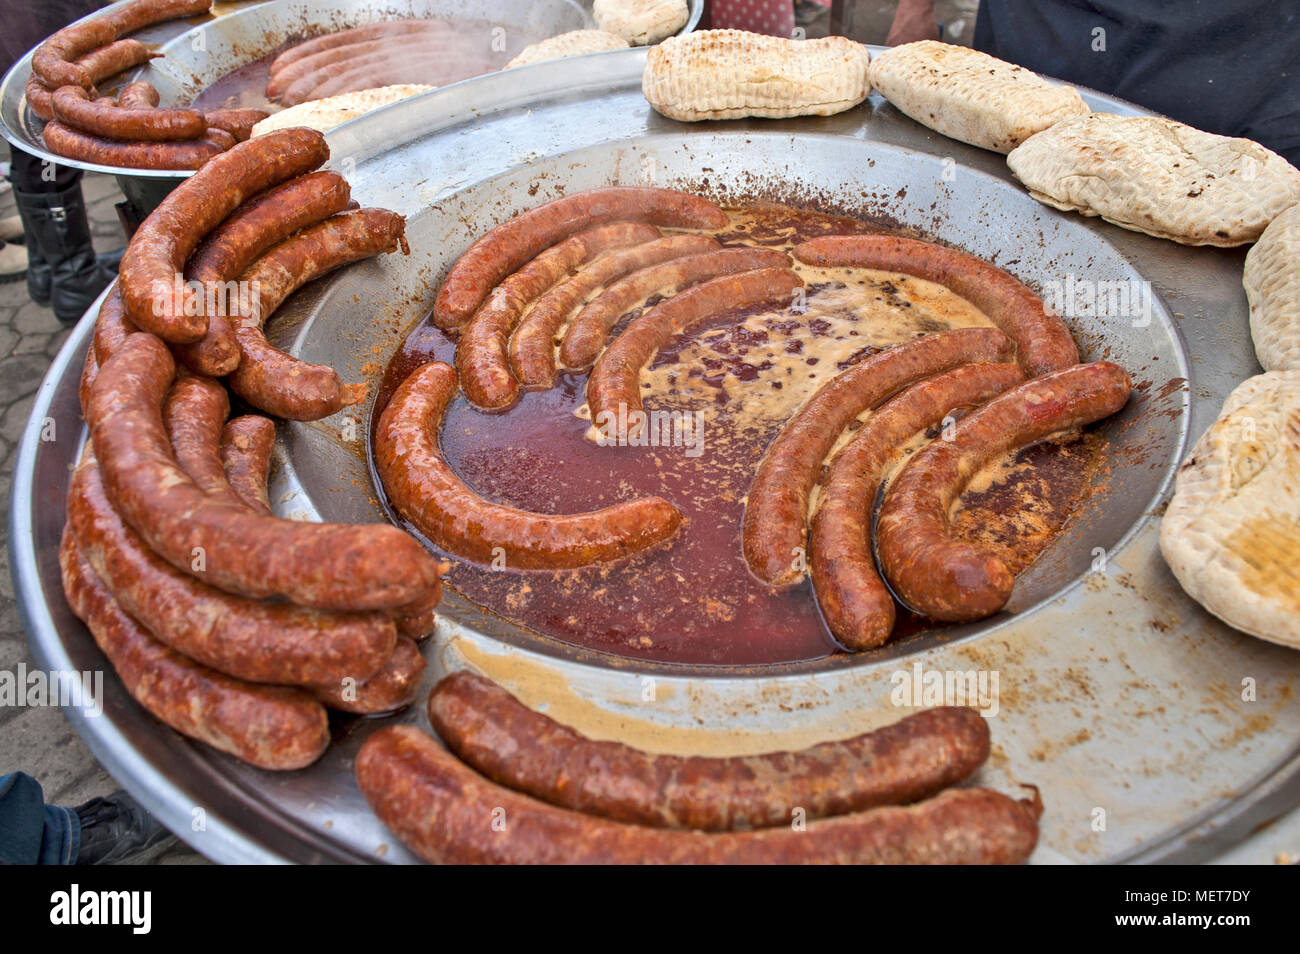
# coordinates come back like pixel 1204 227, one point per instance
pixel 40 741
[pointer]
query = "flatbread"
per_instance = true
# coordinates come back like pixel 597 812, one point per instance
pixel 1272 282
pixel 1231 533
pixel 573 43
pixel 1157 176
pixel 641 22
pixel 325 114
pixel 971 96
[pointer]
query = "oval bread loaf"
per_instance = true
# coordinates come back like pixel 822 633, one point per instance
pixel 1231 532
pixel 323 114
pixel 1157 176
pixel 729 74
pixel 971 96
pixel 573 43
pixel 1272 282
pixel 641 22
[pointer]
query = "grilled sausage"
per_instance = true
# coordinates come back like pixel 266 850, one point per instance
pixel 176 154
pixel 74 107
pixel 246 445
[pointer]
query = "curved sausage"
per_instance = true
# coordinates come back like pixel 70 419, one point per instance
pixel 306 73
pixel 445 812
pixel 393 687
pixel 502 250
pixel 39 99
pixel 459 61
pixel 774 529
pixel 271 727
pixel 111 326
pixel 329 566
pixel 855 603
pixel 329 41
pixel 219 138
pixel 115 58
pixel 615 381
pixel 426 491
pixel 248 639
pixel 176 154
pixel 532 349
pixel 164 241
pixel 142 13
pixel 1043 343
pixel 931 572
pixel 194 412
pixel 481 357
pixel 238 121
pixel 590 328
pixel 250 230
pixel 74 107
pixel 504 740
pixel 246 445
pixel 139 95
pixel 268 378
pixel 89 371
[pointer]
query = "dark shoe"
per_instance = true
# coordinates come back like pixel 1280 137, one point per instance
pixel 38 269
pixel 62 233
pixel 117 830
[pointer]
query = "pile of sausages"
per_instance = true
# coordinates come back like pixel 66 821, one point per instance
pixel 513 786
pixel 572 269
pixel 387 53
pixel 233 626
pixel 129 130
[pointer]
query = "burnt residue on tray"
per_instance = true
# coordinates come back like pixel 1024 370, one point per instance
pixel 728 387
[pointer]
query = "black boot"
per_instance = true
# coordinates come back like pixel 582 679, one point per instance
pixel 38 269
pixel 117 830
pixel 62 234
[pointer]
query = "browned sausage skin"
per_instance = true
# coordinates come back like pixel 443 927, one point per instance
pixel 393 687
pixel 177 154
pixel 531 753
pixel 445 812
pixel 424 490
pixel 481 354
pixel 855 603
pixel 138 95
pixel 74 107
pixel 385 28
pixel 271 727
pixel 1043 343
pixel 532 349
pixel 774 529
pixel 931 572
pixel 328 566
pixel 246 445
pixel 502 250
pixel 238 121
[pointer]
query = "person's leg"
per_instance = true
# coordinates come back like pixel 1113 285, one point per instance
pixel 31 832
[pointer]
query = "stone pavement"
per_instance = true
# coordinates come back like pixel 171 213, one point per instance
pixel 40 741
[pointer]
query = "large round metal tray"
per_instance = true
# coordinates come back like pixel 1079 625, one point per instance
pixel 1119 696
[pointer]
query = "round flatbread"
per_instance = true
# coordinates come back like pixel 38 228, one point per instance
pixel 1272 282
pixel 641 22
pixel 573 43
pixel 1157 176
pixel 971 96
pixel 1231 533
pixel 325 114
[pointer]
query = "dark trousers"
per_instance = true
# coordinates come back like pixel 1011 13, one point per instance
pixel 31 832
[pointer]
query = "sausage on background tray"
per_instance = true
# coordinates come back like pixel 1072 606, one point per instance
pixel 532 349
pixel 615 381
pixel 511 744
pixel 445 812
pixel 268 378
pixel 590 328
pixel 1043 343
pixel 943 578
pixel 774 530
pixel 74 107
pixel 385 28
pixel 328 566
pixel 502 250
pixel 425 490
pixel 482 359
pixel 238 121
pixel 175 154
pixel 271 727
pixel 855 603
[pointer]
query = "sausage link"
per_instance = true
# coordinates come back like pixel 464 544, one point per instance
pixel 194 412
pixel 532 349
pixel 855 603
pixel 502 250
pixel 176 154
pixel 219 138
pixel 268 378
pixel 774 530
pixel 931 572
pixel 445 812
pixel 504 740
pixel 74 107
pixel 393 687
pixel 238 121
pixel 116 57
pixel 329 566
pixel 433 69
pixel 258 641
pixel 271 727
pixel 165 240
pixel 142 13
pixel 89 371
pixel 39 99
pixel 139 95
pixel 481 356
pixel 615 381
pixel 111 326
pixel 305 74
pixel 591 327
pixel 1043 343
pixel 426 491
pixel 329 41
pixel 246 445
